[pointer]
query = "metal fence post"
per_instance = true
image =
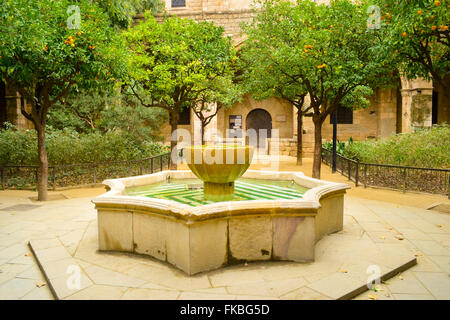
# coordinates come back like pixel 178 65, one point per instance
pixel 365 175
pixel 140 168
pixel 404 180
pixel 95 174
pixel 54 178
pixel 3 178
pixel 151 165
pixel 161 162
pixel 357 173
pixel 349 170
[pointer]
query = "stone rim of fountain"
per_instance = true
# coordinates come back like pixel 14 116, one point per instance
pixel 309 202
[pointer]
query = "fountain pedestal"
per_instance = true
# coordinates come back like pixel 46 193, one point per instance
pixel 218 191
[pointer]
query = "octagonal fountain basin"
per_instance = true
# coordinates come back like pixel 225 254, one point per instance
pixel 271 216
pixel 218 166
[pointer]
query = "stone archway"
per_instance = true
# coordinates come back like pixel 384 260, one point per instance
pixel 259 119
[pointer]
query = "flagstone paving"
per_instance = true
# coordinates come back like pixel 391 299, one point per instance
pixel 63 233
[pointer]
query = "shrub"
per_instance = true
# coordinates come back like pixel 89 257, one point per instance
pixel 423 148
pixel 18 147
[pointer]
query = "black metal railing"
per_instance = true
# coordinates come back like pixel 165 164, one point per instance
pixel 430 180
pixel 61 176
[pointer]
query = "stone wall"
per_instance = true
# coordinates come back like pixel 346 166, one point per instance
pixel 280 112
pixel 13 103
pixel 229 19
pixel 443 110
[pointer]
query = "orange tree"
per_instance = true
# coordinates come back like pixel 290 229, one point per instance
pixel 417 37
pixel 176 62
pixel 326 51
pixel 47 48
pixel 265 75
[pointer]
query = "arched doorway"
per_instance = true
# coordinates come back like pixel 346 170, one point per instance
pixel 259 119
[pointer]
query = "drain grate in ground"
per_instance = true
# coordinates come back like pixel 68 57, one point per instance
pixel 20 207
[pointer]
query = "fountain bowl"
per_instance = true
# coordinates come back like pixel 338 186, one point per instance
pixel 218 166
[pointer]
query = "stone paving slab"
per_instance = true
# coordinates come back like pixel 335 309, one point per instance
pixel 59 268
pixel 21 207
pixel 146 278
pixel 72 222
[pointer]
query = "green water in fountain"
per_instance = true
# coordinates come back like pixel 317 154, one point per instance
pixel 190 191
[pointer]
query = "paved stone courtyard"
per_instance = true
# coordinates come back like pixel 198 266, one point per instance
pixel 64 233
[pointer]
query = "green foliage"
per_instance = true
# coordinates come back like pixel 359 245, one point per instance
pixel 39 51
pixel 121 12
pixel 417 36
pixel 136 122
pixel 424 148
pixel 17 147
pixel 323 50
pixel 340 146
pixel 87 111
pixel 176 61
pixel 81 109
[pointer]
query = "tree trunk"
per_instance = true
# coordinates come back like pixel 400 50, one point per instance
pixel 174 116
pixel 317 147
pixel 43 164
pixel 203 133
pixel 299 138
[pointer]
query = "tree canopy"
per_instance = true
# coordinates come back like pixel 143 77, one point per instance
pixel 325 51
pixel 176 61
pixel 417 37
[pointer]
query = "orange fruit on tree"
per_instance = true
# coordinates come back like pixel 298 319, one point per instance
pixel 419 12
pixel 433 28
pixel 437 3
pixel 404 34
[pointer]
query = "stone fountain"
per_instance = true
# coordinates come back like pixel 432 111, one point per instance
pixel 239 215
